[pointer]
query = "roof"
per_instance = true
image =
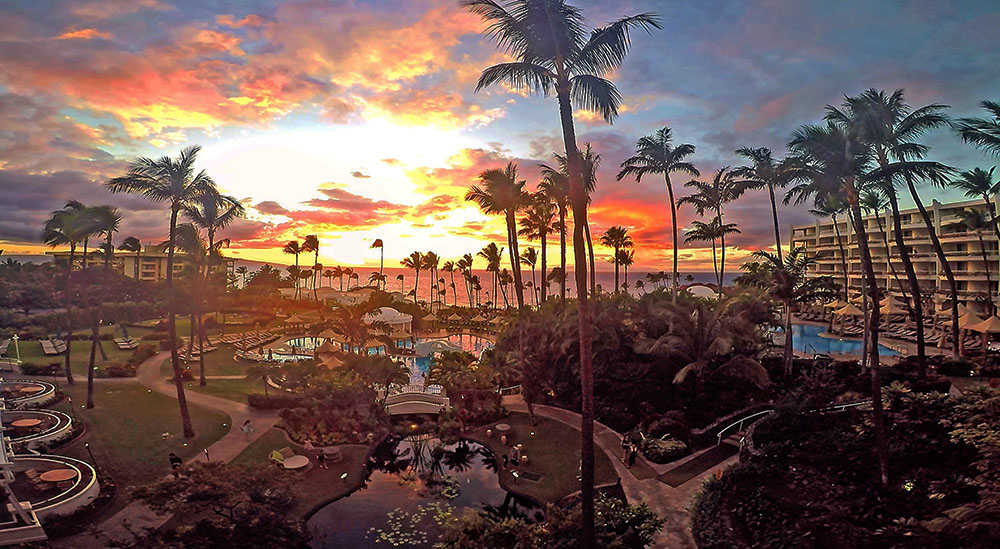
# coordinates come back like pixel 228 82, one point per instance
pixel 294 319
pixel 990 326
pixel 391 316
pixel 454 317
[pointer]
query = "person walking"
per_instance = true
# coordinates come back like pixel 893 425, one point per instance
pixel 633 453
pixel 175 463
pixel 625 446
pixel 247 428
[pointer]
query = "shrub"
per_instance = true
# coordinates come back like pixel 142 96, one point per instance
pixel 955 368
pixel 663 451
pixel 278 401
pixel 30 369
pixel 671 423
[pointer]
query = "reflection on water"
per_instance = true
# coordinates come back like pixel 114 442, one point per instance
pixel 412 481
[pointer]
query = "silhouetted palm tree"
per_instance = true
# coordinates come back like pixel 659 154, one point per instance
pixel 616 237
pixel 978 183
pixel 529 257
pixel 414 261
pixel 656 155
pixel 710 232
pixel 984 133
pixel 977 221
pixel 493 255
pixel 536 224
pixel 108 220
pixel 173 181
pixel 555 185
pixel 294 248
pixel 713 197
pixel 132 244
pixel 765 172
pixel 311 244
pixel 381 258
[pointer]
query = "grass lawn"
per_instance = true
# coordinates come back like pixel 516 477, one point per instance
pixel 230 389
pixel 316 486
pixel 31 352
pixel 219 362
pixel 554 452
pixel 124 432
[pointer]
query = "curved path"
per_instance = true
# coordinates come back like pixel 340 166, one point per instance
pixel 136 516
pixel 671 504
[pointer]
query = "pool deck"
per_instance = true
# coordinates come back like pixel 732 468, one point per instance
pixel 904 348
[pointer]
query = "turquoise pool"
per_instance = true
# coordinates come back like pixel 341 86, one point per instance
pixel 806 339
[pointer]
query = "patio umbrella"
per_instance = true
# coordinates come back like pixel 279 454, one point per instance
pixel 848 310
pixel 327 334
pixel 989 326
pixel 891 308
pixel 454 317
pixel 479 318
pixel 835 304
pixel 858 299
pixel 294 319
pixel 946 311
pixel 430 317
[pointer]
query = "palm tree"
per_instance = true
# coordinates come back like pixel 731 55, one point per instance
pixel 375 279
pixel 381 258
pixel 536 224
pixel 551 50
pixel 294 248
pixel 710 232
pixel 338 272
pixel 68 226
pixel 414 261
pixel 625 258
pixel 978 183
pixel 978 221
pixel 530 258
pixel 400 278
pixel 311 244
pixel 108 220
pixel 465 266
pixel 983 133
pixel 786 281
pixel 493 255
pixel 353 322
pixel 654 155
pixel 449 267
pixel 173 181
pixel 328 274
pixel 589 164
pixel 832 161
pixel 888 126
pixel 832 206
pixel 873 202
pixel 431 261
pixel 132 244
pixel 765 172
pixel 713 197
pixel 502 193
pixel 261 371
pixel 555 186
pixel 616 237
pixel 242 271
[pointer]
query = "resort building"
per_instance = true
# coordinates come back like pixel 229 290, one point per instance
pixel 976 279
pixel 149 264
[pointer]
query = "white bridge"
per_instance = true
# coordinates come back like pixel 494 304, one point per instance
pixel 415 403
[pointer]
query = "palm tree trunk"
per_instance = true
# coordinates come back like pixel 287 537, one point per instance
pixel 590 255
pixel 416 284
pixel 381 264
pixel 201 349
pixel 69 311
pixel 515 256
pixel 892 268
pixel 917 301
pixel 172 328
pixel 722 254
pixel 544 280
pixel 788 339
pixel 878 421
pixel 952 285
pixel 94 336
pixel 673 227
pixel 108 252
pixel 562 251
pixel 579 200
pixel 989 283
pixel 774 217
pixel 315 272
pixel 715 266
pixel 996 234
pixel 854 223
pixel 534 288
pixel 843 257
pixel 136 269
pixel 616 269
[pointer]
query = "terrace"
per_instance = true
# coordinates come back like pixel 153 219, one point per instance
pixel 36 427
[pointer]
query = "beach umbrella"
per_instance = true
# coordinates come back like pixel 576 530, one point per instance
pixel 892 308
pixel 989 326
pixel 835 304
pixel 848 310
pixel 454 317
pixel 858 299
pixel 331 361
pixel 327 334
pixel 966 320
pixel 294 319
pixel 946 311
pixel 479 318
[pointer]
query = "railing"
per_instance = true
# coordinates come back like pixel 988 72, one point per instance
pixel 508 391
pixel 755 417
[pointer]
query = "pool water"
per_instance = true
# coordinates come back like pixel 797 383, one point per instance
pixel 806 339
pixel 410 480
pixel 469 343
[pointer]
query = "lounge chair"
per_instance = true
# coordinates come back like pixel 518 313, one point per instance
pixel 277 457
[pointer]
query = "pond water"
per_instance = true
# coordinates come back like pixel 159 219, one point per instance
pixel 411 479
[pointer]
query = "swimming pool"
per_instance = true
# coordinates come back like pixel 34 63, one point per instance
pixel 806 339
pixel 468 342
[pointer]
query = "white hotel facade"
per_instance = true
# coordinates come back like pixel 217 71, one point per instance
pixel 961 249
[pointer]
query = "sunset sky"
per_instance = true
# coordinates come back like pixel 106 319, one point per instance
pixel 358 120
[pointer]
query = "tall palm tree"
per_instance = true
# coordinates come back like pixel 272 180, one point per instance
pixel 502 193
pixel 657 155
pixel 431 261
pixel 625 258
pixel 189 240
pixel 713 232
pixel 242 271
pixel 175 182
pixel 293 247
pixel 978 183
pixel 765 172
pixel 449 267
pixel 68 226
pixel 874 202
pixel 552 51
pixel 132 244
pixel 536 224
pixel 832 206
pixel 414 261
pixel 889 127
pixel 983 133
pixel 465 266
pixel 376 279
pixel 555 186
pixel 338 272
pixel 108 220
pixel 311 244
pixel 977 221
pixel 713 197
pixel 400 278
pixel 493 255
pixel 616 237
pixel 381 258
pixel 529 257
pixel 832 162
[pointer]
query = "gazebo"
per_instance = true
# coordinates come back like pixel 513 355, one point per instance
pixel 294 319
pixel 327 334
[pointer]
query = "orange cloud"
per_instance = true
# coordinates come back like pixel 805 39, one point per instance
pixel 83 34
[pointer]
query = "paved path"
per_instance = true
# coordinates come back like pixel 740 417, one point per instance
pixel 671 504
pixel 137 516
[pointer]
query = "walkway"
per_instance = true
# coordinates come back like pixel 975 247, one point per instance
pixel 670 503
pixel 137 516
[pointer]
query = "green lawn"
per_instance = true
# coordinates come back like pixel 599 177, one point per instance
pixel 219 362
pixel 316 486
pixel 31 352
pixel 125 427
pixel 230 389
pixel 554 452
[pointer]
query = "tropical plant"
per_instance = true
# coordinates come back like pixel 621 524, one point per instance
pixel 293 247
pixel 536 224
pixel 983 133
pixel 617 238
pixel 381 259
pixel 530 258
pixel 625 258
pixel 353 322
pixel 765 172
pixel 173 181
pixel 655 155
pixel 261 371
pixel 555 186
pixel 978 183
pixel 431 261
pixel 713 197
pixel 552 51
pixel 132 244
pixel 873 202
pixel 493 255
pixel 502 193
pixel 311 244
pixel 713 232
pixel 242 271
pixel 414 261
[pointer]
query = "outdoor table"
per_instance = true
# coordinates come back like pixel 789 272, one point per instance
pixel 295 462
pixel 503 427
pixel 33 389
pixel 58 475
pixel 26 423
